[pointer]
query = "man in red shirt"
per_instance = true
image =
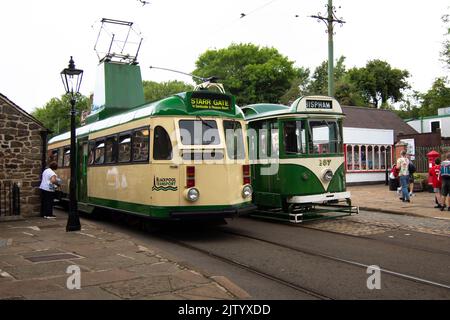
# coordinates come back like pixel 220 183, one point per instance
pixel 435 174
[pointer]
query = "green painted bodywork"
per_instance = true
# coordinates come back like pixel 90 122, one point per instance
pixel 119 88
pixel 291 180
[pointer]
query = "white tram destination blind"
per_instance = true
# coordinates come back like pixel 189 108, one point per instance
pixel 318 104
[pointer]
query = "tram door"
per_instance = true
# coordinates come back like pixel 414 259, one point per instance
pixel 82 169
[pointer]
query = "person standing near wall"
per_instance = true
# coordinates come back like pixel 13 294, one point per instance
pixel 445 178
pixel 403 164
pixel 48 185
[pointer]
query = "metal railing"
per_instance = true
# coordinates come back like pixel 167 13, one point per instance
pixel 9 199
pixel 421 160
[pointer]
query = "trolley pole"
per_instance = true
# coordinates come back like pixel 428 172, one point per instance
pixel 329 20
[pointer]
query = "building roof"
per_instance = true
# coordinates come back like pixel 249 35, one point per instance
pixel 21 111
pixel 364 117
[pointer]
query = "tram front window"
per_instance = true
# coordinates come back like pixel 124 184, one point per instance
pixel 234 138
pixel 324 137
pixel 294 137
pixel 199 132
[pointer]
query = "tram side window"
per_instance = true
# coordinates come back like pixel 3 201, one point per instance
pixel 141 145
pixel 66 161
pixel 99 152
pixel 162 146
pixel 110 151
pixel 234 139
pixel 125 148
pixel 294 137
pixel 91 152
pixel 53 156
pixel 252 135
pixel 262 145
pixel 274 140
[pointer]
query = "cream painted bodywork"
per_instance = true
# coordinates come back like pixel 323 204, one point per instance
pixel 219 182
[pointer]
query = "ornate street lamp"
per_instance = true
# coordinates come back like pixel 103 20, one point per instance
pixel 71 78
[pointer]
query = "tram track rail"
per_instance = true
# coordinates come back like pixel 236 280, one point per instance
pixel 392 228
pixel 402 245
pixel 346 261
pixel 250 269
pixel 276 279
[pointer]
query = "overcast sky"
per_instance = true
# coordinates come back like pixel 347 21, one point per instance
pixel 38 37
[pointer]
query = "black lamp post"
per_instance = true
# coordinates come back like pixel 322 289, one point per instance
pixel 71 79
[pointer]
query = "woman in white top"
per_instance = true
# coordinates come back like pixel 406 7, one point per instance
pixel 48 185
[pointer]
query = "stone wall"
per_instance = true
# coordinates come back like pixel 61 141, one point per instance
pixel 21 155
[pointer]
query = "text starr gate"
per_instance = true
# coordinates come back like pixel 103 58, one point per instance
pixel 209 102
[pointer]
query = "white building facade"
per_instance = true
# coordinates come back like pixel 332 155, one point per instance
pixel 431 124
pixel 368 153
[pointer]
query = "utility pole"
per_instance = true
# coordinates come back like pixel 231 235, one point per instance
pixel 329 20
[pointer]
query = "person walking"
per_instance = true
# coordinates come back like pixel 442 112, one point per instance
pixel 403 164
pixel 445 178
pixel 48 185
pixel 435 175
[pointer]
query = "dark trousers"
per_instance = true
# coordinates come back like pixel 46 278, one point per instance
pixel 47 203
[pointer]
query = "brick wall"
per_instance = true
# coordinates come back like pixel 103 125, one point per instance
pixel 21 155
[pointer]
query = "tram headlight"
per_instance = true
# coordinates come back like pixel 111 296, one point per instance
pixel 328 175
pixel 247 191
pixel 192 194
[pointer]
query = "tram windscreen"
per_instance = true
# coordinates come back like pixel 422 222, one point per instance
pixel 199 132
pixel 324 137
pixel 234 139
pixel 294 137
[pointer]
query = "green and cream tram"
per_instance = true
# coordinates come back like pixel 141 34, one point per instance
pixel 297 159
pixel 170 159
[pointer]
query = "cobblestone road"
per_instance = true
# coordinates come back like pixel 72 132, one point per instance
pixel 369 223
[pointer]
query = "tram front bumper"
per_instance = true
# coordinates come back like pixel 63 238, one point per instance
pixel 205 214
pixel 320 198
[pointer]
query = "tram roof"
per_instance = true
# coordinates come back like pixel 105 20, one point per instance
pixel 303 105
pixel 180 104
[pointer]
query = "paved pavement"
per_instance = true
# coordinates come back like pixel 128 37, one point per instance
pixel 35 255
pixel 379 198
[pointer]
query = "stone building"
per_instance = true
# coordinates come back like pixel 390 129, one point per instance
pixel 22 153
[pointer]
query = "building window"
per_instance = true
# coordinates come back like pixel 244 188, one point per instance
pixel 435 125
pixel 367 157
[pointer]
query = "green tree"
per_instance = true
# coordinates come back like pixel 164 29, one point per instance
pixel 155 91
pixel 319 81
pixel 410 105
pixel 345 91
pixel 55 115
pixel 298 87
pixel 379 82
pixel 437 97
pixel 251 73
pixel 445 53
